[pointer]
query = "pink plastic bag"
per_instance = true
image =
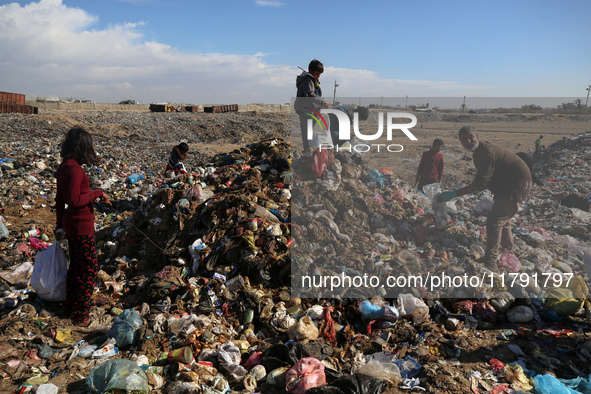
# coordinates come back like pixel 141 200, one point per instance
pixel 322 159
pixel 496 365
pixel 38 244
pixel 544 233
pixel 511 262
pixel 304 375
pixel 501 389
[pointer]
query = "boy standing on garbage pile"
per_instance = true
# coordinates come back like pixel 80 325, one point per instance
pixel 75 217
pixel 509 180
pixel 309 99
pixel 431 166
pixel 178 154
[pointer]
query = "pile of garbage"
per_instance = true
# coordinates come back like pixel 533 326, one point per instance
pixel 198 290
pixel 565 165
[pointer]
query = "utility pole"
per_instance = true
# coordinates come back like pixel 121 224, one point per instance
pixel 406 105
pixel 586 101
pixel 334 97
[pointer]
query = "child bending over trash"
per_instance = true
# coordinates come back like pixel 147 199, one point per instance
pixel 178 154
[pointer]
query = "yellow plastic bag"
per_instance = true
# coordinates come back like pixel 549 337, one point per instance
pixel 517 377
pixel 567 300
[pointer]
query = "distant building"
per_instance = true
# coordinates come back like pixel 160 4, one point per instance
pixel 48 99
pixel 55 99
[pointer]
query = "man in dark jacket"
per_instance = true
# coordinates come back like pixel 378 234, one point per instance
pixel 507 177
pixel 309 97
pixel 529 160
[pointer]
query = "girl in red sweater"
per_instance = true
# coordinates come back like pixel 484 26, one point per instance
pixel 75 215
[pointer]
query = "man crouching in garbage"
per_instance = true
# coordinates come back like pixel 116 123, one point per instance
pixel 507 177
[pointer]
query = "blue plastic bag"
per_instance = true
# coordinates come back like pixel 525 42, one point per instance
pixel 409 367
pixel 133 178
pixel 376 176
pixel 125 328
pixel 548 384
pixel 374 312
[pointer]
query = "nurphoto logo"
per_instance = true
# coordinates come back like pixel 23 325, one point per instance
pixel 344 129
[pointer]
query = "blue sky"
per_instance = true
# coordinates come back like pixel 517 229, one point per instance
pixel 207 52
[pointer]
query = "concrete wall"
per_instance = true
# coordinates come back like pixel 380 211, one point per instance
pixel 52 106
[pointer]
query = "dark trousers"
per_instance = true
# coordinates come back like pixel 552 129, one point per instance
pixel 304 128
pixel 498 228
pixel 81 276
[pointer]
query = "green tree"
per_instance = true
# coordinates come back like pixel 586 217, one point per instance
pixel 531 107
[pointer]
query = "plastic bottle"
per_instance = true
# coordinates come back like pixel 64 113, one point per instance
pixel 33 233
pixel 264 213
pixel 230 181
pixel 86 351
pixel 108 349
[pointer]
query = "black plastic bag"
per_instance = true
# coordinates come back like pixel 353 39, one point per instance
pixel 355 384
pixel 277 356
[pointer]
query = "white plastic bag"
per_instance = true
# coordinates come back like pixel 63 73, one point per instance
pixel 49 273
pixel 484 206
pixel 432 191
pixel 584 251
pixel 19 276
pixel 413 306
pixel 381 370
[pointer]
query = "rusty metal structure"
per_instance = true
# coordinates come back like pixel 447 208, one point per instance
pixel 221 108
pixel 190 108
pixel 15 103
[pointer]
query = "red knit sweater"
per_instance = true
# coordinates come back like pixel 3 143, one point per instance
pixel 73 189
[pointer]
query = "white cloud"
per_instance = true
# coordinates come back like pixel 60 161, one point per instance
pixel 365 83
pixel 50 48
pixel 269 3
